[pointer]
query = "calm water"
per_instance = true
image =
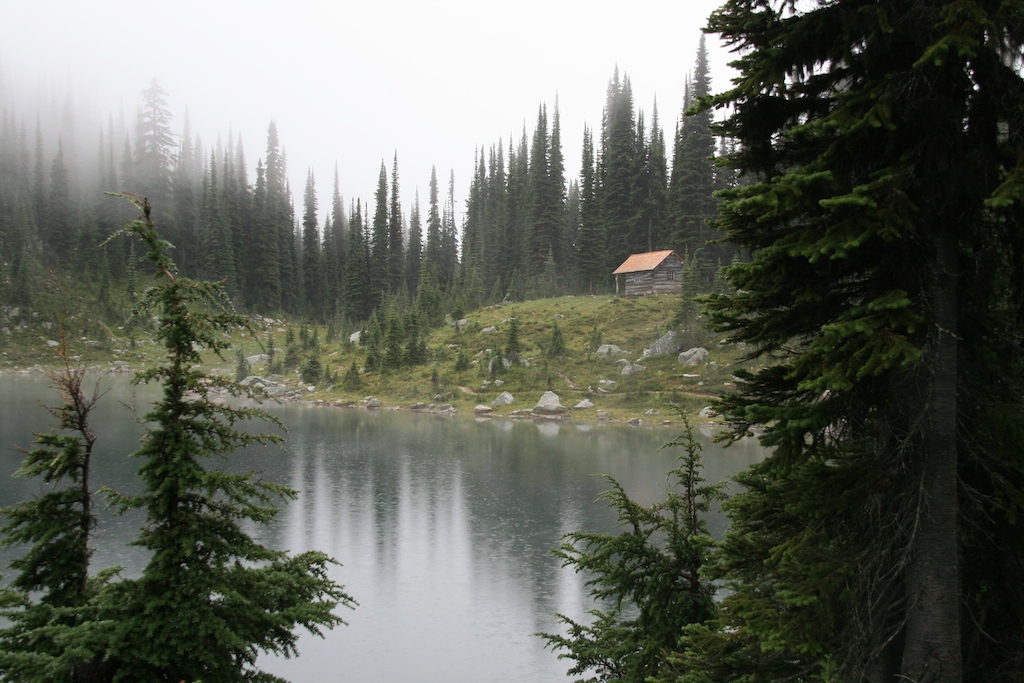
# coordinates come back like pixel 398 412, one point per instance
pixel 443 525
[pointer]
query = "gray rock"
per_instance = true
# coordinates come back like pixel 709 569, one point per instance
pixel 608 351
pixel 274 389
pixel 499 382
pixel 632 369
pixel 258 358
pixel 707 412
pixel 373 403
pixel 667 345
pixel 503 399
pixel 583 405
pixel 420 405
pixel 489 329
pixel 549 404
pixel 483 410
pixel 52 342
pixel 355 337
pixel 694 357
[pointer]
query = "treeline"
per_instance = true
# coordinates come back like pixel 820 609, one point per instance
pixel 526 231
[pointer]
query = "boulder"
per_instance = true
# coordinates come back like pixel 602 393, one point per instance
pixel 667 345
pixel 490 329
pixel 503 399
pixel 483 410
pixel 373 403
pixel 258 358
pixel 694 357
pixel 707 412
pixel 583 405
pixel 355 337
pixel 549 404
pixel 632 369
pixel 608 351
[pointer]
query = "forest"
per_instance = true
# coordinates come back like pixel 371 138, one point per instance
pixel 869 199
pixel 525 230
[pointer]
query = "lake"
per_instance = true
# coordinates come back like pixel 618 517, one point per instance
pixel 443 525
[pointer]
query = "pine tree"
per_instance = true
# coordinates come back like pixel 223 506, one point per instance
pixel 211 597
pixel 883 223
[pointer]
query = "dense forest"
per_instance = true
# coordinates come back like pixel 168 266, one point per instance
pixel 525 230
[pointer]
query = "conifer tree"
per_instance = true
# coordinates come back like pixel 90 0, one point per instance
pixel 356 286
pixel 590 240
pixel 884 226
pixel 47 602
pixel 396 248
pixel 617 171
pixel 692 207
pixel 648 580
pixel 380 242
pixel 312 275
pixel 414 254
pixel 211 597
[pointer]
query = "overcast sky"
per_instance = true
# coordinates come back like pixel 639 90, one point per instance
pixel 354 83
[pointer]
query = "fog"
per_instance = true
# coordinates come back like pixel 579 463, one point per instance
pixel 349 85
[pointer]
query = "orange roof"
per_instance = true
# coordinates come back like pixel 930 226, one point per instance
pixel 641 262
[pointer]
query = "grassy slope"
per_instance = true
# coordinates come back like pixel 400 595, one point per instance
pixel 630 323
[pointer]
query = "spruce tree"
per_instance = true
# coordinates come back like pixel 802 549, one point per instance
pixel 211 597
pixel 692 208
pixel 396 247
pixel 884 226
pixel 46 604
pixel 648 580
pixel 312 275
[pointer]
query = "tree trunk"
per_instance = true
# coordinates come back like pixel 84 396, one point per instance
pixel 932 637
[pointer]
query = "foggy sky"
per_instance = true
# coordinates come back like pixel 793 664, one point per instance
pixel 352 84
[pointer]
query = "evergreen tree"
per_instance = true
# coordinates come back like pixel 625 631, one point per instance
pixel 211 597
pixel 396 248
pixel 356 286
pixel 414 254
pixel 380 242
pixel 154 145
pixel 692 207
pixel 46 603
pixel 884 230
pixel 432 252
pixel 617 171
pixel 648 579
pixel 60 224
pixel 590 240
pixel 312 275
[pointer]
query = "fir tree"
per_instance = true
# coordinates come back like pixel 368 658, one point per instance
pixel 648 580
pixel 46 604
pixel 312 276
pixel 211 597
pixel 883 223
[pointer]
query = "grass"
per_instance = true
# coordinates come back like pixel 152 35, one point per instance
pixel 632 324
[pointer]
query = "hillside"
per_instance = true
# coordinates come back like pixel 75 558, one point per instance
pixel 463 370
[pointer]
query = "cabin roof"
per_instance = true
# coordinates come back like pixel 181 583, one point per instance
pixel 642 262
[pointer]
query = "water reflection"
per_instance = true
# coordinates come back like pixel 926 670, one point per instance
pixel 444 526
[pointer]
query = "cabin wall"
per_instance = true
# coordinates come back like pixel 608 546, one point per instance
pixel 665 279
